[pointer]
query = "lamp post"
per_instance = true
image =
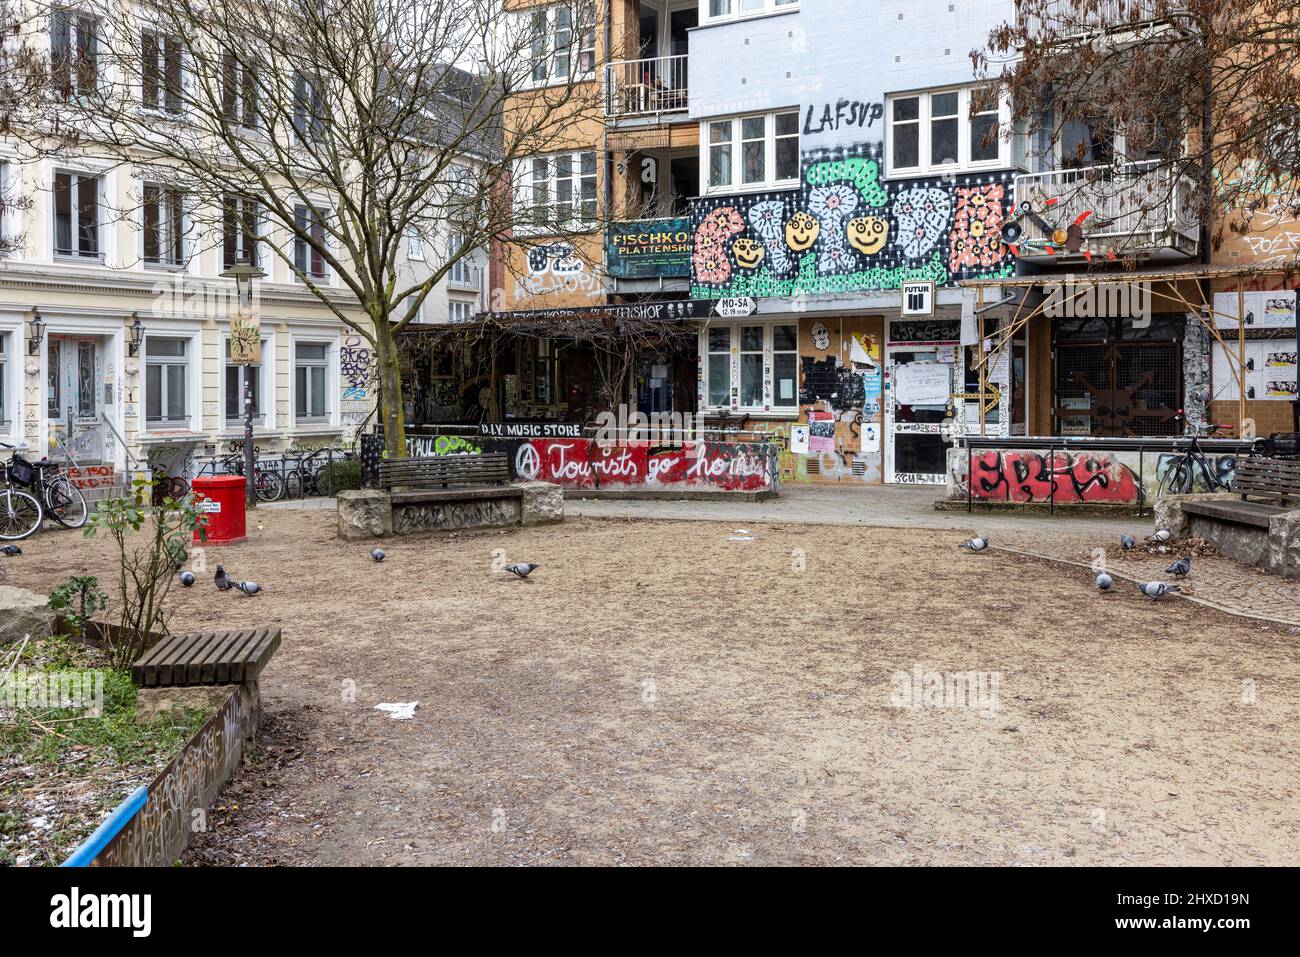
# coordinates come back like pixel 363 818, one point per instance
pixel 245 274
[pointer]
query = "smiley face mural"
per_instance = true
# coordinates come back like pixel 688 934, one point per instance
pixel 846 229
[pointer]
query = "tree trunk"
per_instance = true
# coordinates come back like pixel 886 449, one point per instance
pixel 391 411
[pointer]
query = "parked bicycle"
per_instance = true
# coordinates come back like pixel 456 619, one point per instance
pixel 59 496
pixel 312 474
pixel 268 484
pixel 21 513
pixel 1180 477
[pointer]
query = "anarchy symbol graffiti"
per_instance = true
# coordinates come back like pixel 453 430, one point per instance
pixel 528 463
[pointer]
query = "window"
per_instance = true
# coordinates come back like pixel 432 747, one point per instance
pixel 239 230
pixel 76 215
pixel 944 129
pixel 164 226
pixel 74 66
pixel 461 273
pixel 238 92
pixel 166 375
pixel 459 310
pixel 752 151
pixel 559 190
pixel 310 368
pixel 724 9
pixel 1086 141
pixel 561 52
pixel 308 121
pixel 160 72
pixel 4 383
pixel 308 259
pixel 414 243
pixel 763 373
pixel 236 376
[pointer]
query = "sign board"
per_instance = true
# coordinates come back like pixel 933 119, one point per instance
pixel 531 430
pixel 1263 310
pixel 647 250
pixel 667 310
pixel 918 298
pixel 735 308
pixel 245 339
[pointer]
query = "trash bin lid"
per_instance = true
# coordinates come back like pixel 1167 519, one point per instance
pixel 218 481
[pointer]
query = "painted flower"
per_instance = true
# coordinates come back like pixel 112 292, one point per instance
pixel 711 267
pixel 726 220
pixel 834 201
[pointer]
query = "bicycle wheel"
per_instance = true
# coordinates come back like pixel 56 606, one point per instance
pixel 293 483
pixel 324 480
pixel 65 504
pixel 269 485
pixel 1178 480
pixel 20 515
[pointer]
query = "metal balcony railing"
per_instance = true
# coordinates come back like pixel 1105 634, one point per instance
pixel 645 87
pixel 1141 207
pixel 462 275
pixel 1065 19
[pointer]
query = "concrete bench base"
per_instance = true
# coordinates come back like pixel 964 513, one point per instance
pixel 1265 536
pixel 369 513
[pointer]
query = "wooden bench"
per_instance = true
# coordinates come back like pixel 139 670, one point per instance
pixel 1276 481
pixel 207 658
pixel 443 471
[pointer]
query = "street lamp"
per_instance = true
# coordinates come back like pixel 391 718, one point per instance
pixel 137 336
pixel 36 332
pixel 245 274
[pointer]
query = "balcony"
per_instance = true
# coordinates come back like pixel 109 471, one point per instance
pixel 464 276
pixel 649 87
pixel 1142 210
pixel 1065 19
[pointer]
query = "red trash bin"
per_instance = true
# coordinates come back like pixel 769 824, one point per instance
pixel 221 499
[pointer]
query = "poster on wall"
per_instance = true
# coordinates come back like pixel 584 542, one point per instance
pixel 1273 309
pixel 821 431
pixel 870 437
pixel 799 436
pixel 1270 370
pixel 922 383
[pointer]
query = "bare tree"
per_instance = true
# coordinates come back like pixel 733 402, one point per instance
pixel 22 86
pixel 1199 99
pixel 332 134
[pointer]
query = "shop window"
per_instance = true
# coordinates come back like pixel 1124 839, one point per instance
pixel 767 365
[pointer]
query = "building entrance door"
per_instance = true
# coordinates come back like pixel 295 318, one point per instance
pixel 922 373
pixel 75 398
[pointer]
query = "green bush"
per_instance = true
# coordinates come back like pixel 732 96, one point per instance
pixel 347 475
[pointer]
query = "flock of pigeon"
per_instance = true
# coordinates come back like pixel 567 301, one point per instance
pixel 224 582
pixel 1155 590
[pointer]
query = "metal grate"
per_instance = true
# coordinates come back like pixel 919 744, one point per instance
pixel 1118 388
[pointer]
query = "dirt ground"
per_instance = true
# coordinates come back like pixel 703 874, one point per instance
pixel 658 694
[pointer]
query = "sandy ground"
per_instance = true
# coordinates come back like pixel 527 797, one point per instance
pixel 658 694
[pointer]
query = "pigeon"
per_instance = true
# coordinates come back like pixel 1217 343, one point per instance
pixel 522 569
pixel 378 554
pixel 1161 536
pixel 187 579
pixel 976 544
pixel 1180 568
pixel 12 550
pixel 1104 581
pixel 1127 542
pixel 1157 590
pixel 248 588
pixel 223 583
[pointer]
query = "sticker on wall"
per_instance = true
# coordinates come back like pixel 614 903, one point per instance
pixel 799 439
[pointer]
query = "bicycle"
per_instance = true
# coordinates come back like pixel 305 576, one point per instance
pixel 59 497
pixel 310 476
pixel 268 485
pixel 1180 477
pixel 21 514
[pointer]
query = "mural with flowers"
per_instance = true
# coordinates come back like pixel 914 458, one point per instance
pixel 846 229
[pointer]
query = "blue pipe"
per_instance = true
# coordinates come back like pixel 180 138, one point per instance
pixel 117 820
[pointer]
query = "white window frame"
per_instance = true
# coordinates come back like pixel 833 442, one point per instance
pixel 188 363
pixel 414 243
pixel 241 102
pixel 262 417
pixel 328 364
pixel 101 233
pixel 525 183
pixel 459 305
pixel 256 256
pixel 738 154
pixel 326 278
pixel 735 9
pixel 582 25
pixel 161 108
pixel 186 222
pixel 73 15
pixel 7 424
pixel 769 400
pixel 965 139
